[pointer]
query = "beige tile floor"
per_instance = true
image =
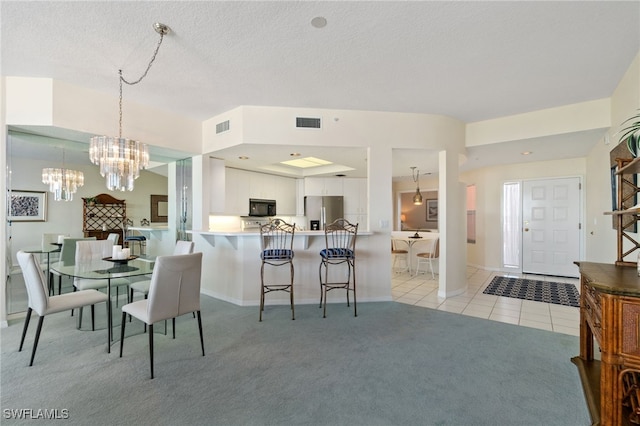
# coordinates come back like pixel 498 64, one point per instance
pixel 421 290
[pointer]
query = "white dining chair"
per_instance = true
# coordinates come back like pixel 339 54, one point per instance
pixel 181 247
pixel 400 252
pixel 427 257
pixel 89 251
pixel 174 291
pixel 114 237
pixel 43 304
pixel 68 256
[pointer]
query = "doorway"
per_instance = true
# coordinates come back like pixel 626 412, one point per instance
pixel 550 228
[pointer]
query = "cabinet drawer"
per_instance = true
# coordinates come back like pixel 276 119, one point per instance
pixel 592 301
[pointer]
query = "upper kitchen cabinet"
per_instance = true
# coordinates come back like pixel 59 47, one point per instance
pixel 356 198
pixel 240 185
pixel 323 186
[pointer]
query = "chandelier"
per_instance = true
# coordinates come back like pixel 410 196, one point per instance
pixel 121 159
pixel 417 197
pixel 63 183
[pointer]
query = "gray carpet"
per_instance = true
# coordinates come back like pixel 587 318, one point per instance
pixel 394 364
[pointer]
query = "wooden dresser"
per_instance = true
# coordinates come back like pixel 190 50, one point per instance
pixel 610 314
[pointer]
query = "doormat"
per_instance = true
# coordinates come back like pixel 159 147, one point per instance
pixel 539 291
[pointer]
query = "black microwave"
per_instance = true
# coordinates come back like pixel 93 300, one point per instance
pixel 262 208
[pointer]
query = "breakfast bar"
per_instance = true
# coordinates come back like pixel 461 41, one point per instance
pixel 232 261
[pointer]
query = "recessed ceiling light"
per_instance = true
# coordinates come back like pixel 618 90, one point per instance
pixel 526 153
pixel 319 22
pixel 243 157
pixel 306 162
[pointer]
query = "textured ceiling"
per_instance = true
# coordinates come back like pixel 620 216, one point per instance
pixel 468 60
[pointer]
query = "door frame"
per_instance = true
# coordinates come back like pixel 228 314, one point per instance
pixel 581 215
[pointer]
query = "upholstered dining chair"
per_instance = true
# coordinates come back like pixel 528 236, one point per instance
pixel 114 237
pixel 43 304
pixel 87 251
pixel 340 240
pixel 181 247
pixel 276 243
pixel 174 291
pixel 68 256
pixel 427 257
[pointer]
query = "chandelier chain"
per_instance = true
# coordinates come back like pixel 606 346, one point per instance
pixel 131 83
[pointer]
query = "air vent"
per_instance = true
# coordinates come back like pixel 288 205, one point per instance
pixel 222 127
pixel 307 123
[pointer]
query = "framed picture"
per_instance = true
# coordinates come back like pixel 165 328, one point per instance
pixel 432 210
pixel 27 206
pixel 160 208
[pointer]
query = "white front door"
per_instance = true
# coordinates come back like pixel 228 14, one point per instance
pixel 551 226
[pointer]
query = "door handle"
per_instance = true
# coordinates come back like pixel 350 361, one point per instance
pixel 526 229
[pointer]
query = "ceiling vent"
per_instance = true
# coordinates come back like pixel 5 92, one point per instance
pixel 307 123
pixel 222 127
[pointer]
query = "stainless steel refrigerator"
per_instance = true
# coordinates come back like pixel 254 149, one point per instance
pixel 320 210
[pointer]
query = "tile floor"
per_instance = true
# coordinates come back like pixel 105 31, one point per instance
pixel 421 290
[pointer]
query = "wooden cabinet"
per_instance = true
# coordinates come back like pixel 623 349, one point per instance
pixel 625 216
pixel 610 315
pixel 103 215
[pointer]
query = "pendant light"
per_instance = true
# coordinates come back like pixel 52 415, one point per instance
pixel 417 197
pixel 121 159
pixel 63 183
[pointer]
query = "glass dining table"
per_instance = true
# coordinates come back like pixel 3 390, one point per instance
pixel 105 270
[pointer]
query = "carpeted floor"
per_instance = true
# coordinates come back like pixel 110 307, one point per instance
pixel 539 291
pixel 394 364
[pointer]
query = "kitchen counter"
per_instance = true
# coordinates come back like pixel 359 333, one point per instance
pixel 231 234
pixel 231 267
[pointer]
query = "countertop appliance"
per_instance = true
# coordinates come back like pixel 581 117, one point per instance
pixel 323 209
pixel 261 208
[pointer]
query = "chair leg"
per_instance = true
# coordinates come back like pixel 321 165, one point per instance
pixel 173 323
pixel 35 342
pixel 24 330
pixel 80 317
pixel 151 347
pixel 124 321
pixel 355 306
pixel 59 284
pixel 93 317
pixel 200 329
pixel 261 290
pixel 293 312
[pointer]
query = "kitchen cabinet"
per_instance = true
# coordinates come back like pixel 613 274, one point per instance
pixel 323 186
pixel 356 201
pixel 240 185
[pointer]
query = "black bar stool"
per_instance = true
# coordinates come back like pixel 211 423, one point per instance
pixel 276 240
pixel 340 240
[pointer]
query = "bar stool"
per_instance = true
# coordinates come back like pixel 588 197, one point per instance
pixel 139 240
pixel 340 239
pixel 276 241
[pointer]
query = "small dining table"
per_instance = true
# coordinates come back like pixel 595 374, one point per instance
pixel 410 239
pixel 105 269
pixel 46 249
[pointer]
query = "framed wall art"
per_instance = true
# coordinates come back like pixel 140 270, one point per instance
pixel 432 210
pixel 27 206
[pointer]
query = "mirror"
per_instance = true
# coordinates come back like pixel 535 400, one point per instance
pixel 159 208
